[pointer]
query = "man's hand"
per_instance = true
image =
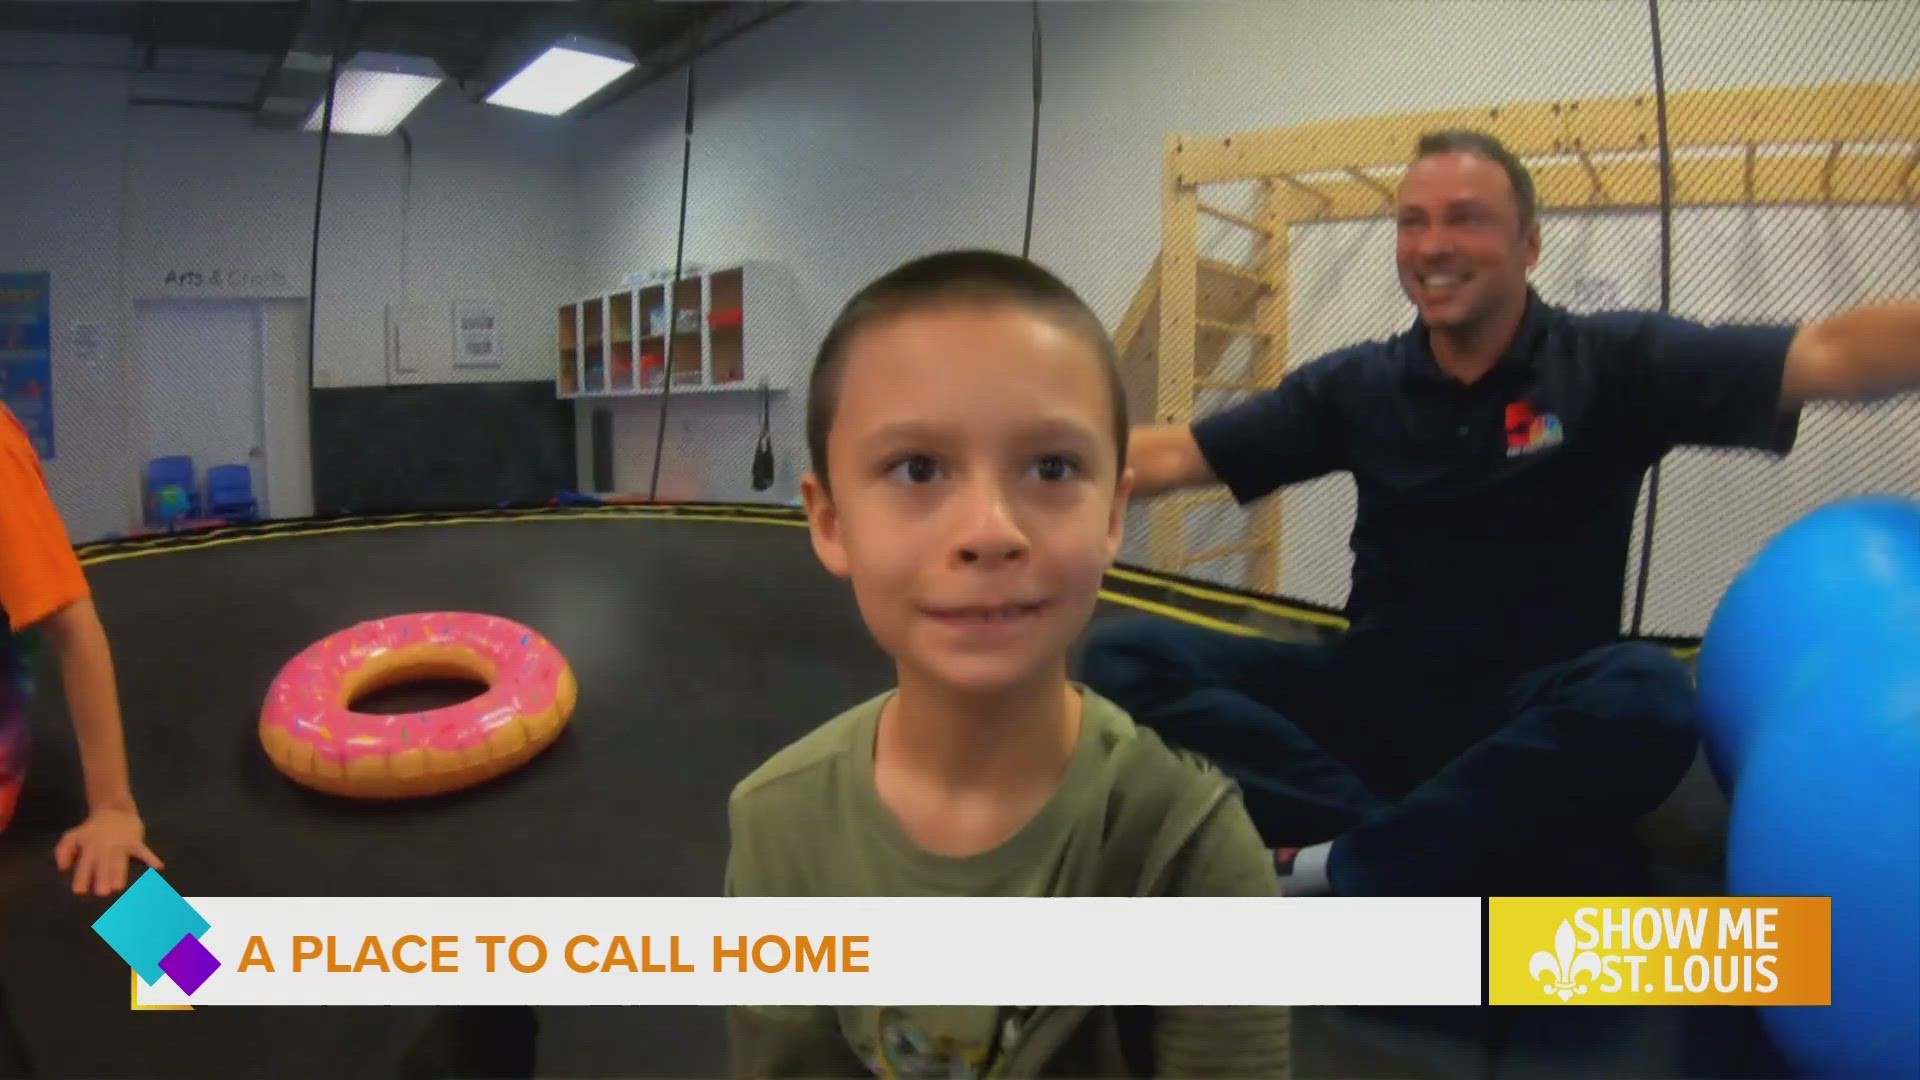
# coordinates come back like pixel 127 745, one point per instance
pixel 97 851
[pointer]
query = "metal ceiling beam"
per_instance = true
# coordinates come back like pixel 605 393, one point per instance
pixel 296 23
pixel 731 21
pixel 298 75
pixel 477 56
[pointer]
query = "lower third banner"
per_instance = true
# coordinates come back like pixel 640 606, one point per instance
pixel 791 951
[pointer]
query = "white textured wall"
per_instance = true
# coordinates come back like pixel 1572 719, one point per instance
pixel 490 215
pixel 111 199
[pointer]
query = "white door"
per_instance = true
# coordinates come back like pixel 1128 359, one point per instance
pixel 199 377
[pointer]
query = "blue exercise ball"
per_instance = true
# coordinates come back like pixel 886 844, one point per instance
pixel 1829 805
pixel 1850 569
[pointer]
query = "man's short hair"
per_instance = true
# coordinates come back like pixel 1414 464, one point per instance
pixel 956 277
pixel 1484 145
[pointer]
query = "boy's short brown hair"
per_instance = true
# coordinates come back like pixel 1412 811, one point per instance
pixel 954 276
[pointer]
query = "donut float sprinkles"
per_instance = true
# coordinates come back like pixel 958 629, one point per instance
pixel 312 734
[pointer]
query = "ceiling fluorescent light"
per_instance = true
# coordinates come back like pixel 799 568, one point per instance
pixel 567 73
pixel 376 92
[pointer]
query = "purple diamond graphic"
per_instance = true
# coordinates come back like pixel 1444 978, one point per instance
pixel 189 964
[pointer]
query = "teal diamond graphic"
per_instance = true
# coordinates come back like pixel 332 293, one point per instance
pixel 145 924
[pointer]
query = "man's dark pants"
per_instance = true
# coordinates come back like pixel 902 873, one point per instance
pixel 14 1062
pixel 1437 776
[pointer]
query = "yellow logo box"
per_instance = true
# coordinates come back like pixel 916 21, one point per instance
pixel 1660 950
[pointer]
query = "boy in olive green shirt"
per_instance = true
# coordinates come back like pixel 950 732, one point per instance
pixel 968 434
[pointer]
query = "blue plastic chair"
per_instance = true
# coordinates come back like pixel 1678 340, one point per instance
pixel 164 472
pixel 230 493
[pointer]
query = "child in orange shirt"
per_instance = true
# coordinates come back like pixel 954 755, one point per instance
pixel 44 596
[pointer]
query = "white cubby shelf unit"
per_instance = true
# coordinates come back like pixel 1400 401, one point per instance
pixel 723 332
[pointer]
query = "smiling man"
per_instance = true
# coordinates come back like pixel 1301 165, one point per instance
pixel 1480 728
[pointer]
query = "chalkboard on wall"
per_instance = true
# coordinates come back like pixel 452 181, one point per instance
pixel 451 446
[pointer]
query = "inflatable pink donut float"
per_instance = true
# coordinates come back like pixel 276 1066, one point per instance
pixel 313 735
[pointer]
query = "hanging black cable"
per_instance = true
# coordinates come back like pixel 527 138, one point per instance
pixel 1033 158
pixel 1666 289
pixel 319 197
pixel 673 292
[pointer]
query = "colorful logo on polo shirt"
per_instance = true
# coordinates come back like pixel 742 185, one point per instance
pixel 1529 432
pixel 158 933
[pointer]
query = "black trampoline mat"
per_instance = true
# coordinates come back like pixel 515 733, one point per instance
pixel 701 647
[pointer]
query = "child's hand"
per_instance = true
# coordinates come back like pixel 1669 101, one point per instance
pixel 98 848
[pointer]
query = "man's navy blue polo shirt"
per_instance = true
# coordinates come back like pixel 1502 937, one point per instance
pixel 1498 515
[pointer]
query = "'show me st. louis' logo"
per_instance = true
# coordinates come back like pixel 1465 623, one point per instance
pixel 1559 971
pixel 158 933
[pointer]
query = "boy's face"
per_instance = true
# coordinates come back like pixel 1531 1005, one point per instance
pixel 974 502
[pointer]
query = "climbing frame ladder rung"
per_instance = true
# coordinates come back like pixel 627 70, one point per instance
pixel 1232 218
pixel 1194 500
pixel 1247 274
pixel 1221 551
pixel 1243 329
pixel 1250 385
pixel 1368 180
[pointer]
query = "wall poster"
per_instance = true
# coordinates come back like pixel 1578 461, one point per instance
pixel 26 354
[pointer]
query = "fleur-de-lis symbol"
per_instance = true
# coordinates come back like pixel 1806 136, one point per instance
pixel 1558 970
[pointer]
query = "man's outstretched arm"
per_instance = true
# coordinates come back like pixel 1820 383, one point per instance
pixel 1287 434
pixel 1166 457
pixel 1863 354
